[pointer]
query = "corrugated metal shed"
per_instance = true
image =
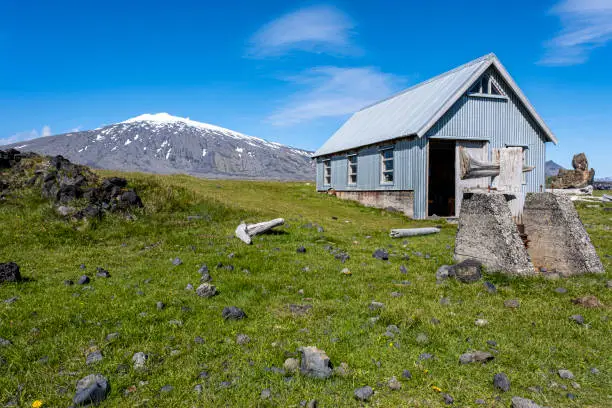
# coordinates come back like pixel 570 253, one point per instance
pixel 415 110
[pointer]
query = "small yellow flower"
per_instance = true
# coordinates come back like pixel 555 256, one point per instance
pixel 436 389
pixel 37 404
pixel 426 371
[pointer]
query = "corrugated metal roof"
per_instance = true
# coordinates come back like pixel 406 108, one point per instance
pixel 414 110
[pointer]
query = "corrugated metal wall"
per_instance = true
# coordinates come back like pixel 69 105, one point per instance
pixel 500 121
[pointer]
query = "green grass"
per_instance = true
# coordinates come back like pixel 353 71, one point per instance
pixel 533 341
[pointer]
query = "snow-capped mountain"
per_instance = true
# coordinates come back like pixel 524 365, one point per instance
pixel 161 143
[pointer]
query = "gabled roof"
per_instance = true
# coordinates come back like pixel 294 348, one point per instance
pixel 415 110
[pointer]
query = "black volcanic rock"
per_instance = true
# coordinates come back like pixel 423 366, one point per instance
pixel 166 144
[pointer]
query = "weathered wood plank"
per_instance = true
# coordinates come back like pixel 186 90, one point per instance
pixel 244 232
pixel 412 232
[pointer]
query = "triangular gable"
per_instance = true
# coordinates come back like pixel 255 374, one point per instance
pixel 493 61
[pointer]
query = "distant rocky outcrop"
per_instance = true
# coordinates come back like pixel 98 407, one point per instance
pixel 580 177
pixel 165 144
pixel 74 189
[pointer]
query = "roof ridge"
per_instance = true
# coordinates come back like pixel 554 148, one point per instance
pixel 478 60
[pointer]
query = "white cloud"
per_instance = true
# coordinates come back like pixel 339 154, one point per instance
pixel 587 24
pixel 334 92
pixel 319 29
pixel 26 135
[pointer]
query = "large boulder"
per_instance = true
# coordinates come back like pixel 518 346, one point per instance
pixel 92 389
pixel 315 363
pixel 9 272
pixel 580 177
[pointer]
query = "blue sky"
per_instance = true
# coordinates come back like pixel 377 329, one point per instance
pixel 292 72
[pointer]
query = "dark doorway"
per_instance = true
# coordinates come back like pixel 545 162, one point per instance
pixel 441 197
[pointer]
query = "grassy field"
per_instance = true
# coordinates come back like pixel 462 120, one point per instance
pixel 53 327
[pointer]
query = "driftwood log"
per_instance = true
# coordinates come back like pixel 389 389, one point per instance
pixel 245 232
pixel 413 232
pixel 473 168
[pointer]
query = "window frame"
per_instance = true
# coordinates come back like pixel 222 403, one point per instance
pixel 383 160
pixel 350 163
pixel 326 170
pixel 485 85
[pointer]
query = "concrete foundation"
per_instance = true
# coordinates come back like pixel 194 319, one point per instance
pixel 557 238
pixel 487 233
pixel 402 201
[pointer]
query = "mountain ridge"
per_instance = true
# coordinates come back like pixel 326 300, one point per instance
pixel 165 144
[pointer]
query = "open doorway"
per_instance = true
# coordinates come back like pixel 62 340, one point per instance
pixel 441 197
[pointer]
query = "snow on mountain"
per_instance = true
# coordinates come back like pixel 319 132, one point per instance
pixel 162 143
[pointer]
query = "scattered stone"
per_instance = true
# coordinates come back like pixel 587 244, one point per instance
pixel 5 342
pixel 68 282
pixel 566 374
pixel 112 336
pixel 501 382
pixel 65 210
pixel 315 362
pixel 92 389
pixel 198 340
pixel 588 301
pixel 609 283
pixel 346 271
pixel 468 271
pixel 83 280
pixel 160 305
pixel 480 401
pixel 102 273
pixel 490 287
pixel 313 403
pixel 577 318
pixel 175 322
pixel 444 272
pixel 381 254
pixel 189 287
pixel 425 356
pixel 364 393
pixel 206 290
pixel 94 357
pixel 166 389
pixel 445 301
pixel 11 300
pixel 198 388
pixel 570 396
pixel 291 365
pixel 512 303
pixel 242 339
pixel 492 343
pixel 481 322
pixel 301 250
pixel 448 400
pixel 265 394
pixel 403 269
pixel 376 305
pixel 9 272
pixel 476 357
pixel 518 402
pixel 406 374
pixel 177 261
pixel 394 384
pixel 140 360
pixel 233 313
pixel 561 290
pixel 594 370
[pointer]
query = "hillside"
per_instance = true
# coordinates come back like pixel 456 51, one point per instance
pixel 54 333
pixel 165 144
pixel 551 168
